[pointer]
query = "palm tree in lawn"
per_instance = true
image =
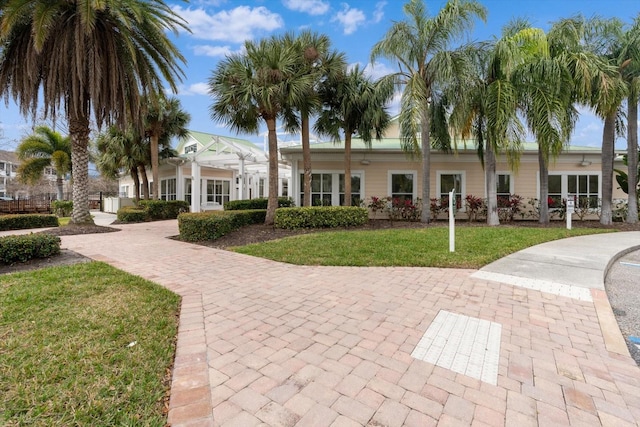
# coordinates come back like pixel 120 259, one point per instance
pixel 547 104
pixel 630 49
pixel 488 97
pixel 315 58
pixel 164 120
pixel 86 58
pixel 116 150
pixel 587 47
pixel 259 85
pixel 421 45
pixel 355 105
pixel 44 148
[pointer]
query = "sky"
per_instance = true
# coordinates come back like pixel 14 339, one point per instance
pixel 220 27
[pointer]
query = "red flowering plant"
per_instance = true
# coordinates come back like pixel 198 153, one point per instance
pixel 475 206
pixel 405 209
pixel 509 207
pixel 378 204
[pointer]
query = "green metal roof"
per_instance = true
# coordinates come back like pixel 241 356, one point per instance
pixel 393 144
pixel 204 138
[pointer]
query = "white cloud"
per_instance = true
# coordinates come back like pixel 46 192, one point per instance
pixel 206 50
pixel 312 7
pixel 234 25
pixel 378 12
pixel 200 88
pixel 349 18
pixel 377 70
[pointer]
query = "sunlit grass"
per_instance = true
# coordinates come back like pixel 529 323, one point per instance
pixel 424 247
pixel 67 352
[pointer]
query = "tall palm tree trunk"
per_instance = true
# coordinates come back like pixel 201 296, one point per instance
pixel 544 188
pixel 426 167
pixel 155 165
pixel 306 159
pixel 347 169
pixel 136 183
pixel 272 203
pixel 632 160
pixel 145 181
pixel 79 134
pixel 608 141
pixel 59 187
pixel 490 178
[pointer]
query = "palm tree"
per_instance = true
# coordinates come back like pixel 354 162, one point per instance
pixel 547 104
pixel 164 120
pixel 86 57
pixel 488 100
pixel 316 59
pixel 44 148
pixel 631 74
pixel 259 84
pixel 356 106
pixel 587 48
pixel 117 150
pixel 421 46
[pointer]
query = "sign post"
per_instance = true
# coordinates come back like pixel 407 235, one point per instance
pixel 571 208
pixel 452 221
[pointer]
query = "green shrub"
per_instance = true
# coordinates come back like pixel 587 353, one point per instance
pixel 29 246
pixel 321 217
pixel 173 208
pixel 26 221
pixel 152 210
pixel 132 214
pixel 62 208
pixel 198 227
pixel 261 203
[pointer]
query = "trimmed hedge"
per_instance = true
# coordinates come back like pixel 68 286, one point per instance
pixel 132 214
pixel 29 246
pixel 26 221
pixel 163 209
pixel 152 210
pixel 198 227
pixel 321 217
pixel 261 203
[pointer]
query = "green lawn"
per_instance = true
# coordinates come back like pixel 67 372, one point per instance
pixel 67 352
pixel 425 247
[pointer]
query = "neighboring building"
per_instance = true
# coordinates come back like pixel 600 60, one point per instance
pixel 385 170
pixel 225 168
pixel 8 171
pixel 11 187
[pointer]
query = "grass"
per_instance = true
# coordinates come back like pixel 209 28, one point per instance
pixel 425 247
pixel 66 356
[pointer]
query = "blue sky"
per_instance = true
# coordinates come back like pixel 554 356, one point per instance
pixel 220 27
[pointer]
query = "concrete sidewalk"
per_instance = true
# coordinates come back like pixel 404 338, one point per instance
pixel 265 343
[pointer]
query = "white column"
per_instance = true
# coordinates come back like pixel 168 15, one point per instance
pixel 195 187
pixel 179 182
pixel 241 189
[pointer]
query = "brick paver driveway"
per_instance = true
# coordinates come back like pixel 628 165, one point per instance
pixel 264 343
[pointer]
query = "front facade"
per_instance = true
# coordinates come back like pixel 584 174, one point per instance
pixel 211 170
pixel 384 170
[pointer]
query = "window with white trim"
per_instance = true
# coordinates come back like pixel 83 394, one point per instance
pixel 402 185
pixel 355 190
pixel 218 191
pixel 582 186
pixel 187 190
pixel 168 189
pixel 448 181
pixel 285 187
pixel 327 188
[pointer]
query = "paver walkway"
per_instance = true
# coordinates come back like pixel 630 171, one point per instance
pixel 265 343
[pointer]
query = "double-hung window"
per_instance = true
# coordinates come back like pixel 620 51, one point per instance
pixel 168 189
pixel 218 191
pixel 402 185
pixel 448 181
